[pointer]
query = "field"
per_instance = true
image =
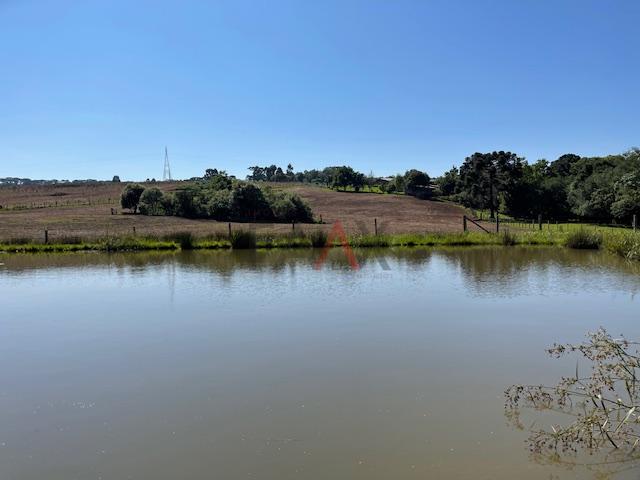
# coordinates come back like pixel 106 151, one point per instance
pixel 85 211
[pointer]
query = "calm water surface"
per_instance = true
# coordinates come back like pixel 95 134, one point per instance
pixel 241 365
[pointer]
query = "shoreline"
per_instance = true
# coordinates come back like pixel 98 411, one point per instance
pixel 625 244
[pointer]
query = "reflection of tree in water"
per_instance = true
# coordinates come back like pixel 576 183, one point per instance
pixel 486 271
pixel 596 417
pixel 505 272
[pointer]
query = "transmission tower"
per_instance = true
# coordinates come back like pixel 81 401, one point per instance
pixel 166 175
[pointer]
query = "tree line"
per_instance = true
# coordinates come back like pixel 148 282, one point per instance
pixel 412 182
pixel 599 189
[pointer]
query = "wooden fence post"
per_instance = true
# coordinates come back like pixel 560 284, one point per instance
pixel 293 225
pixel 497 222
pixel 229 229
pixel 46 236
pixel 540 222
pixel 134 230
pixel 375 226
pixel 464 223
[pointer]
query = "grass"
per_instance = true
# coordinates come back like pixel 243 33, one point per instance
pixel 583 239
pixel 243 239
pixel 623 243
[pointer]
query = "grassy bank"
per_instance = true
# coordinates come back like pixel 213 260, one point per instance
pixel 625 244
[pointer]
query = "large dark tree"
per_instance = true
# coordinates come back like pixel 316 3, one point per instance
pixel 416 182
pixel 130 196
pixel 487 177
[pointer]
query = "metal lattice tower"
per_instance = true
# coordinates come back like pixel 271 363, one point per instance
pixel 166 175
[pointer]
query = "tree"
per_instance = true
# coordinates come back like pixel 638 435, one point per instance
pixel 627 197
pixel 151 202
pixel 342 177
pixel 219 182
pixel 416 182
pixel 116 178
pixel 562 166
pixel 210 173
pixel 357 181
pixel 257 174
pixel 248 202
pixel 486 177
pixel 130 197
pixel 449 183
pixel 219 206
pixel 187 203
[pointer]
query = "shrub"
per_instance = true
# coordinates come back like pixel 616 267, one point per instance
pixel 243 239
pixel 130 196
pixel 583 239
pixel 184 239
pixel 288 207
pixel 318 238
pixel 507 238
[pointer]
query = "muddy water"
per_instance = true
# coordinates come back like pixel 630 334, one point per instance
pixel 240 365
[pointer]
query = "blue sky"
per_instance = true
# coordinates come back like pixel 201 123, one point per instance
pixel 93 89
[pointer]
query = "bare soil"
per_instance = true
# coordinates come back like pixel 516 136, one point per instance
pixel 85 211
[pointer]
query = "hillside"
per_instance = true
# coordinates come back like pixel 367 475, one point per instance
pixel 85 211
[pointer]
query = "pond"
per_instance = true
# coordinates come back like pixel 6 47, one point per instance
pixel 255 364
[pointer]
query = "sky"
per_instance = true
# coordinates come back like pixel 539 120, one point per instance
pixel 92 89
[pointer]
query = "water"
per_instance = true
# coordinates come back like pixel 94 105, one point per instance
pixel 240 365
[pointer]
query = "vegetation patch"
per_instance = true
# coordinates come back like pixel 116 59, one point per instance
pixel 243 239
pixel 624 244
pixel 583 240
pixel 219 197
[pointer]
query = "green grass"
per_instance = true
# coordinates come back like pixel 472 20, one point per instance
pixel 620 242
pixel 624 244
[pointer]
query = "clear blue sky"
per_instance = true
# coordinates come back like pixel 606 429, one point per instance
pixel 97 88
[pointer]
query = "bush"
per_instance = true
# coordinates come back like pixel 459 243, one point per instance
pixel 243 239
pixel 186 240
pixel 130 197
pixel 318 238
pixel 288 207
pixel 584 240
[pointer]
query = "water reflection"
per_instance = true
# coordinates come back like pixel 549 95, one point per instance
pixel 487 271
pixel 246 364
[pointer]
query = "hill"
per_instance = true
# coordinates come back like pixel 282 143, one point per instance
pixel 85 210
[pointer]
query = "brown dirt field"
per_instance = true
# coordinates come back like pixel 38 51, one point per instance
pixel 85 211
